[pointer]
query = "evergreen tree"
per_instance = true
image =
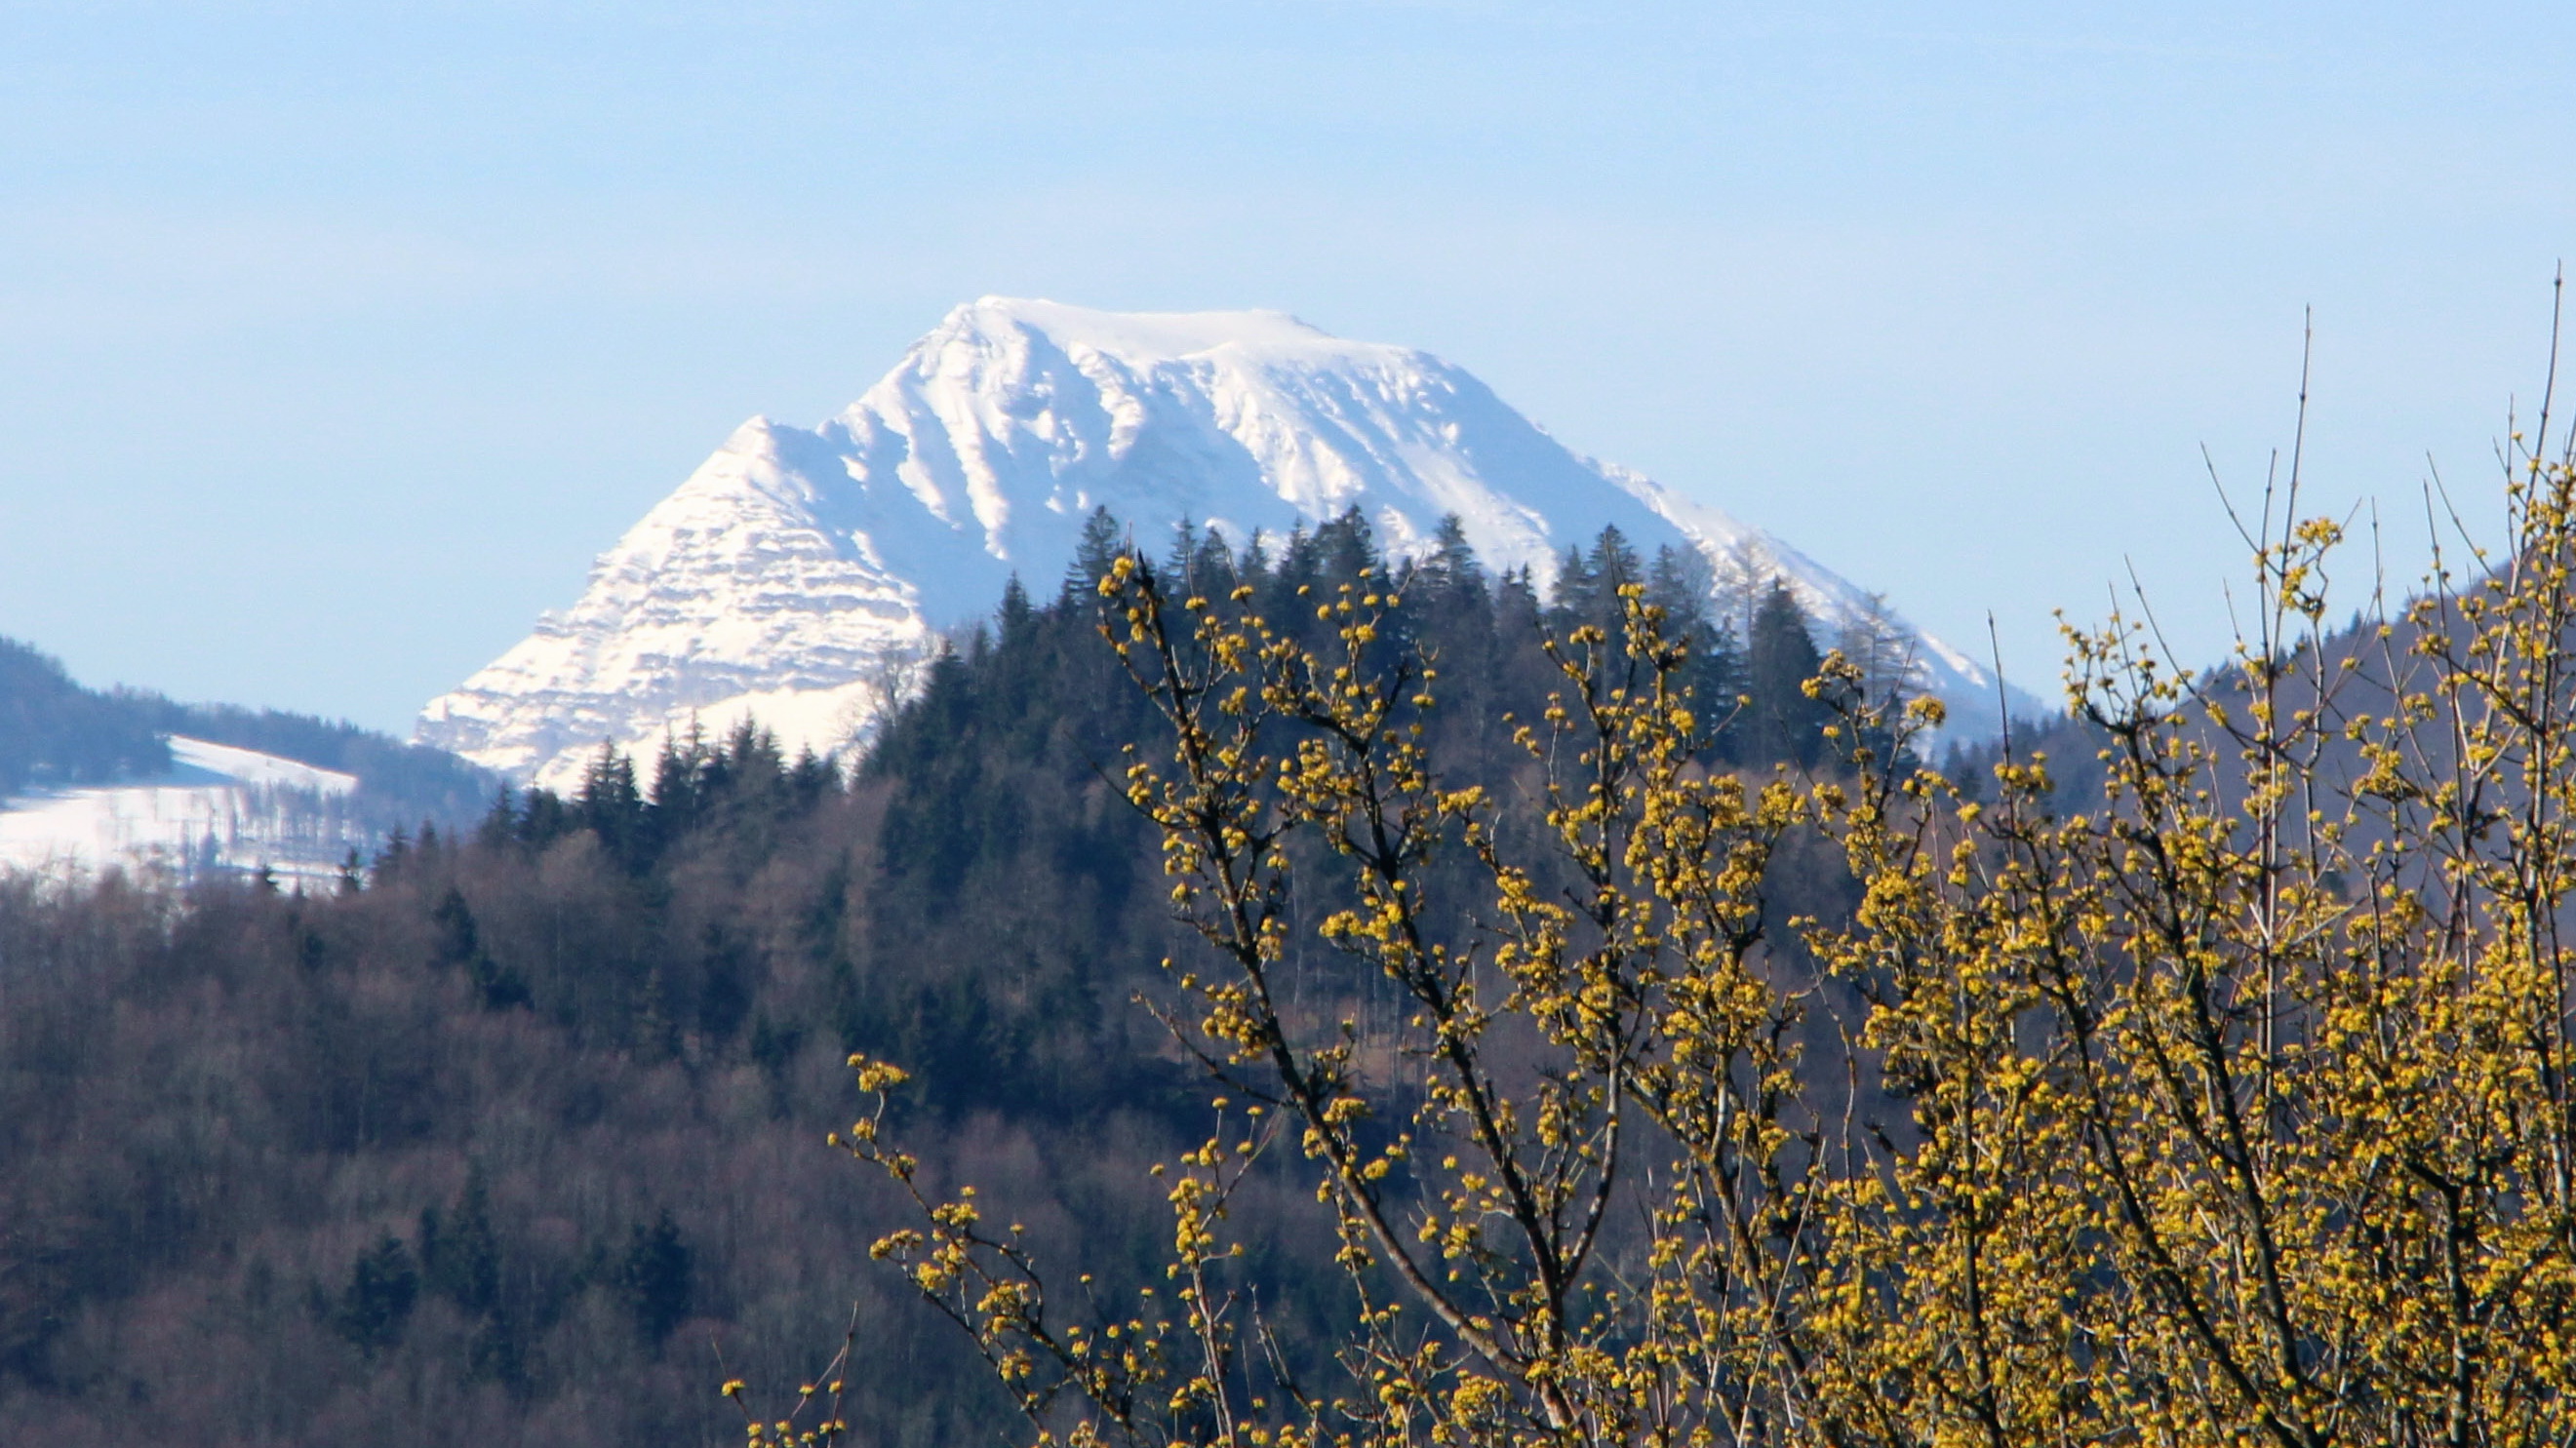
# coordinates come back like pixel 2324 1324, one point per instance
pixel 811 778
pixel 1102 537
pixel 1184 556
pixel 457 941
pixel 1683 585
pixel 1015 614
pixel 1348 548
pixel 679 783
pixel 1575 598
pixel 376 1306
pixel 1252 566
pixel 460 1255
pixel 1783 725
pixel 1212 566
pixel 391 859
pixel 611 807
pixel 500 822
pixel 1613 565
pixel 545 817
pixel 1516 605
pixel 1451 567
pixel 1299 569
pixel 654 1279
pixel 460 1260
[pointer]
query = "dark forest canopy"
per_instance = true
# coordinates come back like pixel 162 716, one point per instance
pixel 488 1145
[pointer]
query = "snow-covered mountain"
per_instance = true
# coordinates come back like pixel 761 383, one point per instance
pixel 799 574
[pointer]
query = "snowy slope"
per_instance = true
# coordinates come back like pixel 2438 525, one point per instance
pixel 218 808
pixel 799 574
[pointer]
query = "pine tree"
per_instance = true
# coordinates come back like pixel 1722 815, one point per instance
pixel 1299 568
pixel 460 1260
pixel 1348 547
pixel 1185 549
pixel 544 818
pixel 376 1306
pixel 1451 566
pixel 1102 537
pixel 1252 565
pixel 500 822
pixel 1212 567
pixel 611 807
pixel 1683 585
pixel 1575 597
pixel 1784 726
pixel 458 941
pixel 460 1254
pixel 1613 565
pixel 1613 562
pixel 1015 615
pixel 654 1278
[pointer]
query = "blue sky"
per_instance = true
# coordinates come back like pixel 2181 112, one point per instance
pixel 335 340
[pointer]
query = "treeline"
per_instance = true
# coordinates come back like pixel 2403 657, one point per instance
pixel 516 1136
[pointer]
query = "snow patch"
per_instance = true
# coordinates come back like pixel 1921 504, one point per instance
pixel 218 808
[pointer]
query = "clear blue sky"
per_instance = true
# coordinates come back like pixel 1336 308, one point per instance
pixel 335 340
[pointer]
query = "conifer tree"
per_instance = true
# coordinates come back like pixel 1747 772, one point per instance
pixel 1102 535
pixel 1015 615
pixel 1782 724
pixel 1612 564
pixel 1575 597
pixel 500 822
pixel 460 1256
pixel 376 1306
pixel 1451 567
pixel 610 806
pixel 1346 547
pixel 1682 584
pixel 655 1276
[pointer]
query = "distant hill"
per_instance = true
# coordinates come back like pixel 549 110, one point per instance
pixel 398 782
pixel 92 776
pixel 54 732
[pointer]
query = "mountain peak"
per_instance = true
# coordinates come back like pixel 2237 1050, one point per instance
pixel 1143 337
pixel 801 575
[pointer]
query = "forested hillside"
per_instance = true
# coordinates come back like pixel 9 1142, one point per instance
pixel 54 732
pixel 396 781
pixel 518 1138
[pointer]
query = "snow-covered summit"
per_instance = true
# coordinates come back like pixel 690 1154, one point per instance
pixel 1156 336
pixel 797 574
